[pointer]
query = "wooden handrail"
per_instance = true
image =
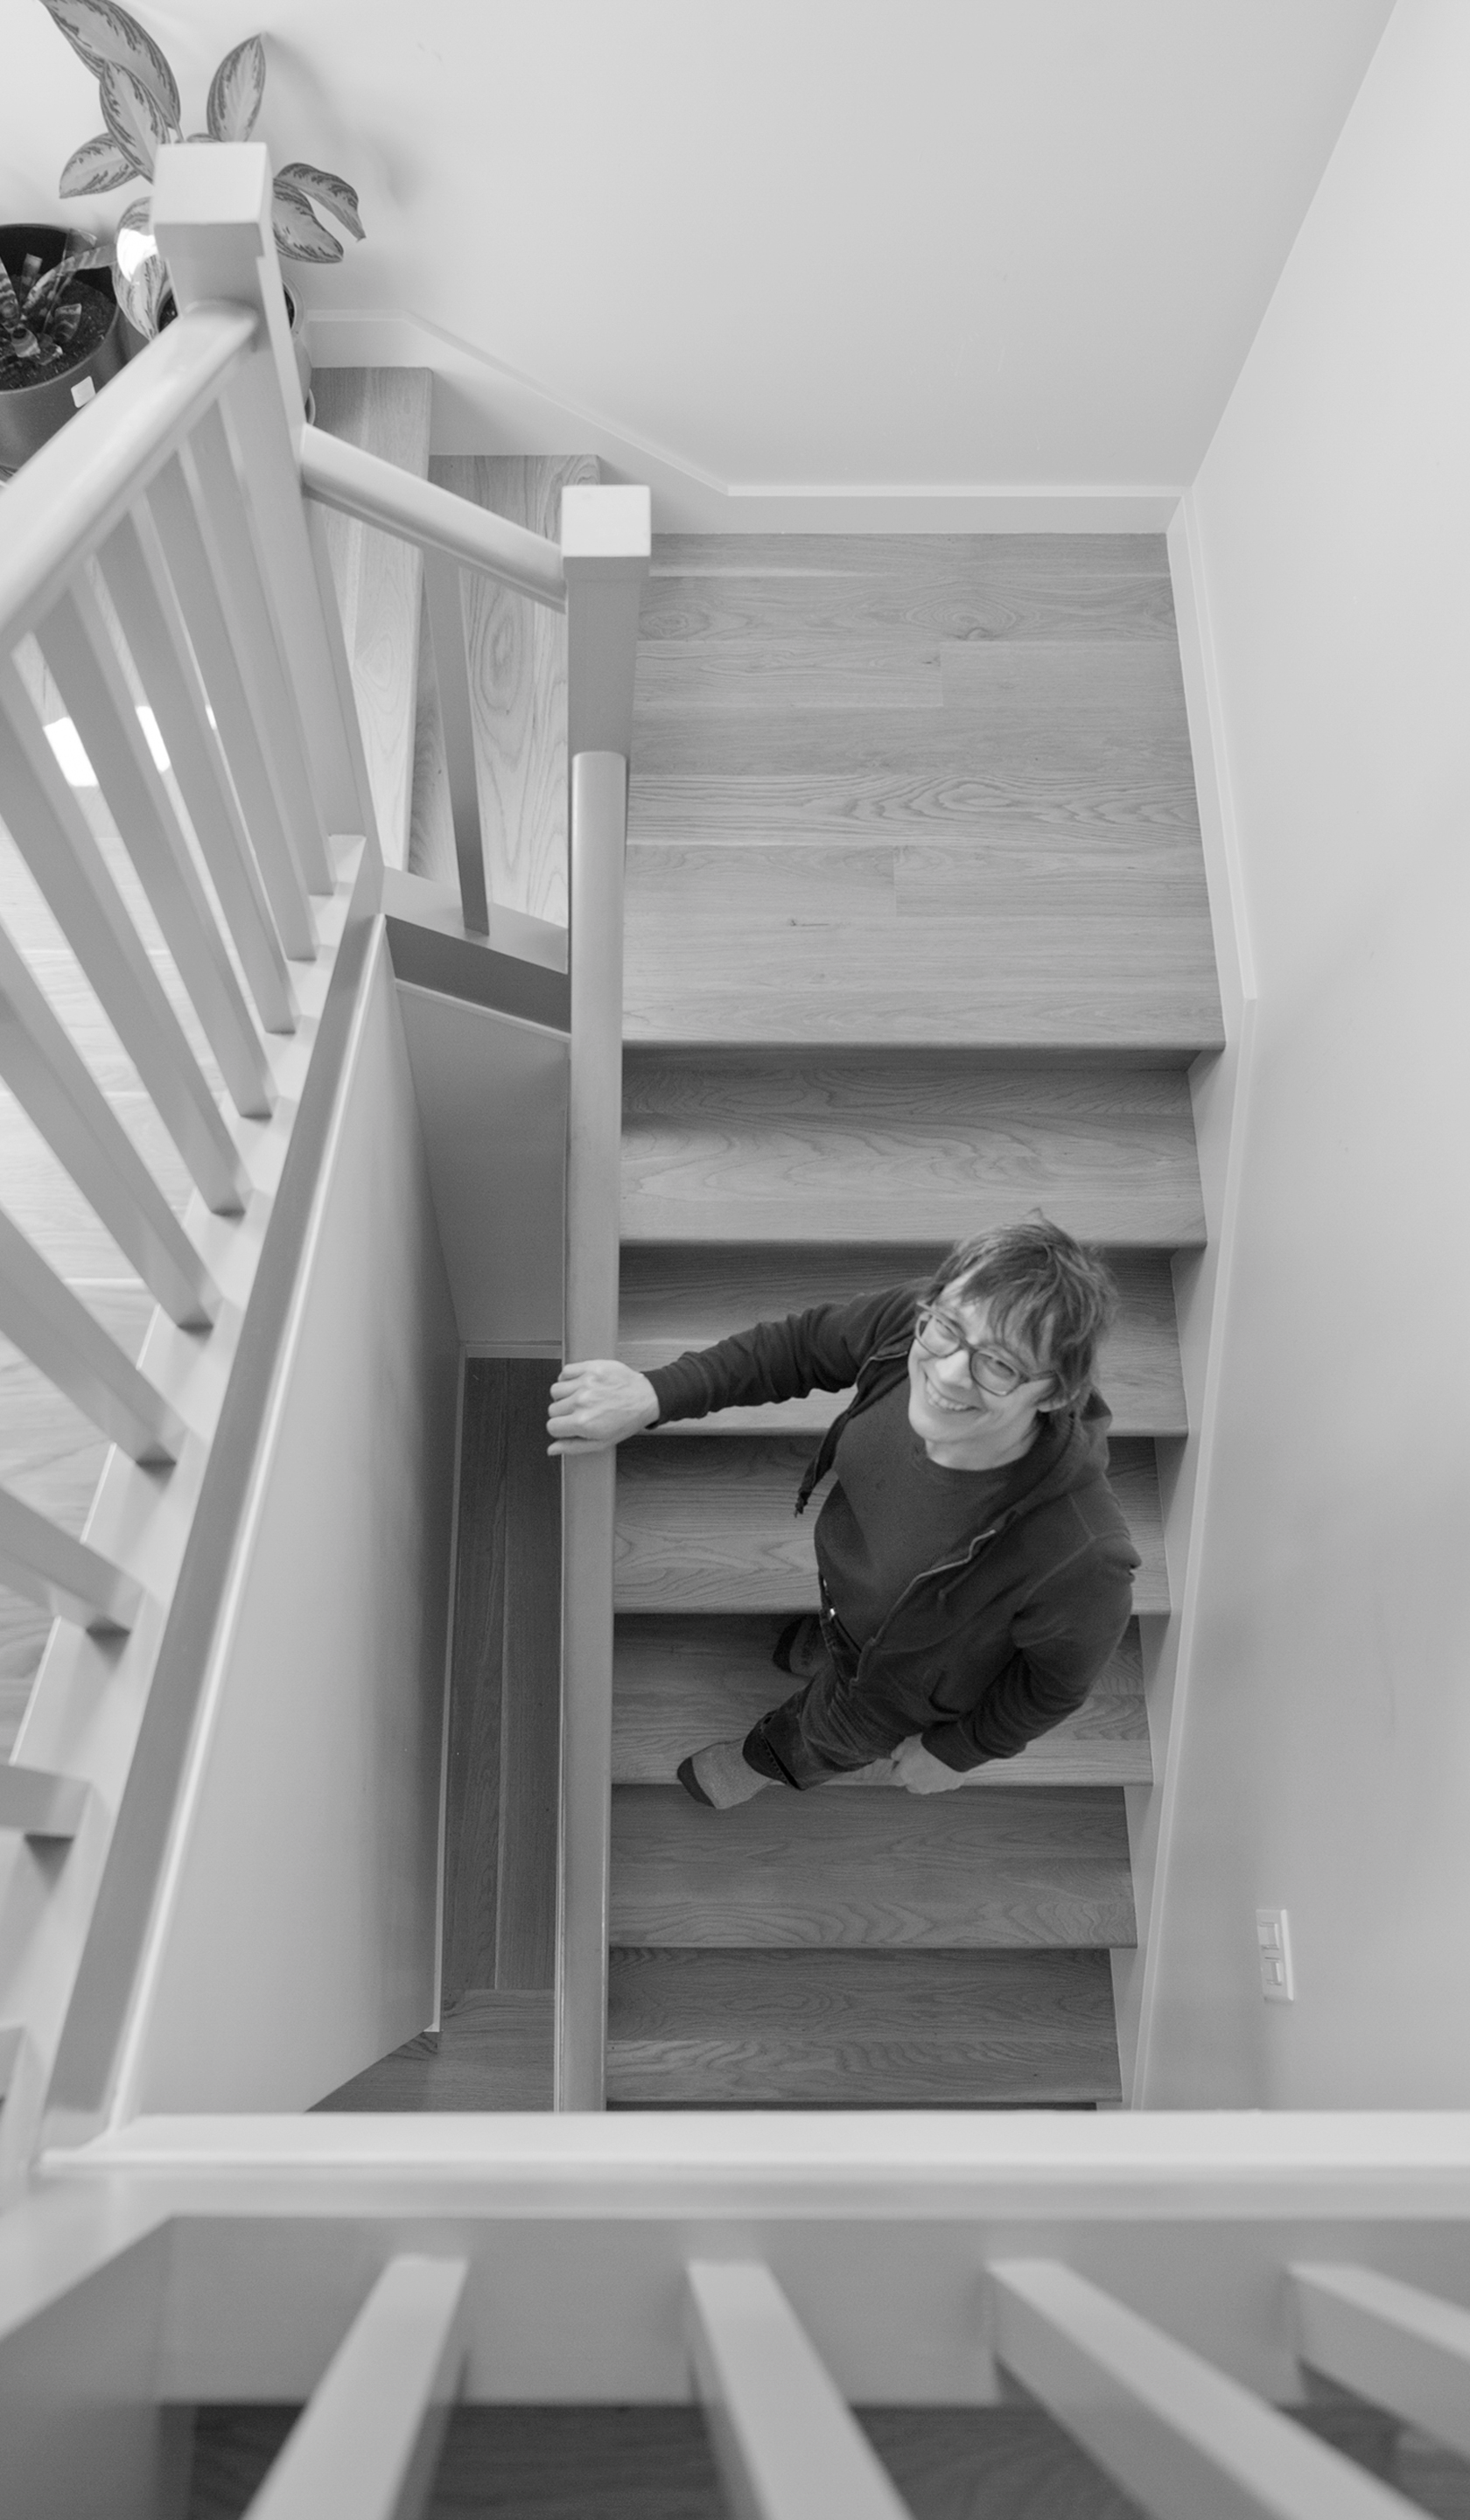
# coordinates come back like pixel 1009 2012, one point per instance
pixel 77 486
pixel 379 494
pixel 594 1136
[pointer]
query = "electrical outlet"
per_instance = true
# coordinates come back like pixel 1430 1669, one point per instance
pixel 1274 1946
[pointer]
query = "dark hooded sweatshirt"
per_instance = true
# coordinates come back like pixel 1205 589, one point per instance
pixel 1005 1635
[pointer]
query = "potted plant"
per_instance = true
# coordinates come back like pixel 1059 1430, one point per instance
pixel 60 333
pixel 142 112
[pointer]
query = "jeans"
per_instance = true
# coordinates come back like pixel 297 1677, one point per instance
pixel 825 1727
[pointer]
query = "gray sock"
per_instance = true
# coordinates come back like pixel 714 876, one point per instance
pixel 721 1775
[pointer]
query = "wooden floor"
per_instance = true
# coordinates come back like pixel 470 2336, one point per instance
pixel 634 2462
pixel 493 2050
pixel 917 942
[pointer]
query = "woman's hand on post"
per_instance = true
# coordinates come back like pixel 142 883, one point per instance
pixel 598 1404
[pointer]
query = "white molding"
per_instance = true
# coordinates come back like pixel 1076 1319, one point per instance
pixel 481 406
pixel 1220 1090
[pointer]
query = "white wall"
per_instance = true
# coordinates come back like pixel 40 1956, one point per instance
pixel 1324 1757
pixel 850 245
pixel 298 1936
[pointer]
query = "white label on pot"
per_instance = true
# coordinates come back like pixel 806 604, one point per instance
pixel 84 392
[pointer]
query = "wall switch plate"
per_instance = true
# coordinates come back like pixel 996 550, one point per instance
pixel 1274 1946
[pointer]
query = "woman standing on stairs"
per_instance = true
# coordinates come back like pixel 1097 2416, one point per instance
pixel 975 1570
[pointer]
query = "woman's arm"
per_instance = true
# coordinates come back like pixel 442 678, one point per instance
pixel 600 1402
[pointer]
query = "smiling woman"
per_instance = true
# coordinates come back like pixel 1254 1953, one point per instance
pixel 975 1568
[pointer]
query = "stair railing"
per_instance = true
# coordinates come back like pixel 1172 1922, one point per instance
pixel 166 610
pixel 1163 2286
pixel 168 637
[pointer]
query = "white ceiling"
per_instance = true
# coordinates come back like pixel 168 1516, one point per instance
pixel 798 242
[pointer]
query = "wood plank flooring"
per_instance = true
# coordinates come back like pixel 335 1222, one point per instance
pixel 798 2029
pixel 379 579
pixel 918 943
pixel 683 1679
pixel 680 1296
pixel 501 1817
pixel 931 791
pixel 709 1524
pixel 655 2463
pixel 839 1870
pixel 844 1149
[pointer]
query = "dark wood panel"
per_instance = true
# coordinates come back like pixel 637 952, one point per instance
pixel 472 1818
pixel 531 1704
pixel 682 1680
pixel 854 1149
pixel 500 1852
pixel 492 2051
pixel 821 2029
pixel 708 1524
pixel 941 1872
pixel 690 1296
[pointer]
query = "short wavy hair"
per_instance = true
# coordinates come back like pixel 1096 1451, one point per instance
pixel 1048 1294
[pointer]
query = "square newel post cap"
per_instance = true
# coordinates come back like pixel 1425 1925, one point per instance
pixel 607 529
pixel 211 206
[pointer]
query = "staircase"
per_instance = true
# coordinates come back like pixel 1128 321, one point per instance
pixel 917 940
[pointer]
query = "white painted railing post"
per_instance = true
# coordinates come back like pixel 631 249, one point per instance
pixel 1390 2343
pixel 593 1149
pixel 606 543
pixel 367 2445
pixel 606 548
pixel 212 220
pixel 1172 2431
pixel 786 2444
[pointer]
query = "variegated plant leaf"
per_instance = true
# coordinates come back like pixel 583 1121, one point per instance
pixel 99 165
pixel 329 190
pixel 138 293
pixel 236 91
pixel 46 291
pixel 102 33
pixel 133 116
pixel 300 233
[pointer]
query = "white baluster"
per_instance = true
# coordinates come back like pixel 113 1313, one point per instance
pixel 74 642
pixel 1403 2349
pixel 446 630
pixel 43 1317
pixel 136 576
pixel 49 829
pixel 213 218
pixel 787 2444
pixel 34 1803
pixel 191 569
pixel 367 2445
pixel 61 1575
pixel 225 520
pixel 1172 2431
pixel 59 1096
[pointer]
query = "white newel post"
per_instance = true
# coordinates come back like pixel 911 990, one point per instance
pixel 606 546
pixel 212 220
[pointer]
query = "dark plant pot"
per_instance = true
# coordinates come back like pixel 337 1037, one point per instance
pixel 30 414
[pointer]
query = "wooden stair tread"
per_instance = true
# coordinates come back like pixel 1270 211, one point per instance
pixel 1041 947
pixel 679 1682
pixel 707 1524
pixel 690 1296
pixel 945 1872
pixel 877 2029
pixel 865 1149
pixel 785 650
pixel 493 2051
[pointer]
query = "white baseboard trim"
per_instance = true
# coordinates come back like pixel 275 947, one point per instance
pixel 483 407
pixel 1220 1090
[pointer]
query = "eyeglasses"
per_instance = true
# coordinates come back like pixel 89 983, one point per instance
pixel 990 1369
